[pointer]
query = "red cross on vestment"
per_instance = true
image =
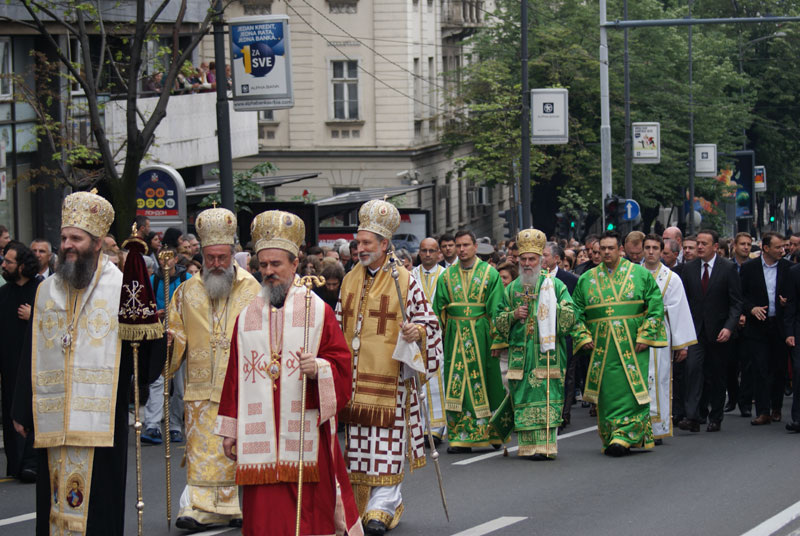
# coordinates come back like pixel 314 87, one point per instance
pixel 347 309
pixel 383 314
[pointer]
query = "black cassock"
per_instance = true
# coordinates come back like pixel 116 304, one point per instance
pixel 107 501
pixel 19 451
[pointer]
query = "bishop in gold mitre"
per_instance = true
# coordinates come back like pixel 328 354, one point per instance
pixel 535 317
pixel 385 408
pixel 76 398
pixel 262 396
pixel 202 314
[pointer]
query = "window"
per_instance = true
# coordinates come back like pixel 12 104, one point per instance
pixel 5 68
pixel 345 89
pixel 257 7
pixel 343 6
pixel 266 115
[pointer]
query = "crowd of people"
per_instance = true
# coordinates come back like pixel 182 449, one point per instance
pixel 464 339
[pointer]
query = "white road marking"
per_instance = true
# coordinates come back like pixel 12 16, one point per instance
pixel 490 526
pixel 482 457
pixel 226 530
pixel 776 522
pixel 17 519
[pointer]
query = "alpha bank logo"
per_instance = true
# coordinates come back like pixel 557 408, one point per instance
pixel 548 107
pixel 245 88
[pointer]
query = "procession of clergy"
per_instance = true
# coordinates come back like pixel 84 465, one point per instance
pixel 403 352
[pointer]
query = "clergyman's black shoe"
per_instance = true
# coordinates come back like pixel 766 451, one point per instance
pixel 190 523
pixel 235 523
pixel 459 450
pixel 730 406
pixel 793 427
pixel 28 476
pixel 374 528
pixel 615 450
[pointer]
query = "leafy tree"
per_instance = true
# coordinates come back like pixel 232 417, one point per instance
pixel 115 65
pixel 245 189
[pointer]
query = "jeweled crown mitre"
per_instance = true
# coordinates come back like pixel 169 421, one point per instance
pixel 87 211
pixel 216 226
pixel 531 241
pixel 278 229
pixel 379 217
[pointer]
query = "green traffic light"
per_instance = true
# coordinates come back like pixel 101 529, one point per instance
pixel 771 219
pixel 610 227
pixel 572 224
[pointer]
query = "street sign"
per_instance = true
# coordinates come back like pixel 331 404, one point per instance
pixel 759 179
pixel 261 63
pixel 705 159
pixel 549 116
pixel 632 210
pixel 646 143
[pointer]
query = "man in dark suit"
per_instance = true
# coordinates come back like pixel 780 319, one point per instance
pixel 764 291
pixel 552 257
pixel 715 299
pixel 739 373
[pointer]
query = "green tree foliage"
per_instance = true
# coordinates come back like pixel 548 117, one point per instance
pixel 563 50
pixel 245 189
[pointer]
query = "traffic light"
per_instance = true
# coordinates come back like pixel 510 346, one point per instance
pixel 562 225
pixel 615 210
pixel 509 230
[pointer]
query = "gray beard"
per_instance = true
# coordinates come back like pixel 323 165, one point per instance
pixel 275 295
pixel 373 257
pixel 218 286
pixel 78 273
pixel 529 279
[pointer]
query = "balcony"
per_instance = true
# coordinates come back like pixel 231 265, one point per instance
pixel 462 15
pixel 187 136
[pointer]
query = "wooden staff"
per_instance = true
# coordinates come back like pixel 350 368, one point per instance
pixel 137 426
pixel 309 281
pixel 163 258
pixel 431 443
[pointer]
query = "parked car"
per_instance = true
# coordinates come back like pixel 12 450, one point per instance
pixel 406 240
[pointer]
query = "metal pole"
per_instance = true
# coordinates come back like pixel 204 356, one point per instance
pixel 692 22
pixel 605 115
pixel 525 157
pixel 691 131
pixel 628 148
pixel 223 119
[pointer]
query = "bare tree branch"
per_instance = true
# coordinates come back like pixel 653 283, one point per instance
pixel 50 13
pixel 149 25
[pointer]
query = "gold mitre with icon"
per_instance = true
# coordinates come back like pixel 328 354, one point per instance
pixel 379 216
pixel 87 211
pixel 278 229
pixel 531 241
pixel 216 226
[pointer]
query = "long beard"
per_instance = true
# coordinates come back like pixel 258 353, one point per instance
pixel 78 273
pixel 10 276
pixel 274 294
pixel 529 276
pixel 218 285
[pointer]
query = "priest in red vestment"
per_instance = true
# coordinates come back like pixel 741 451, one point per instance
pixel 259 412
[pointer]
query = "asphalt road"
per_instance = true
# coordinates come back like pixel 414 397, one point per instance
pixel 743 480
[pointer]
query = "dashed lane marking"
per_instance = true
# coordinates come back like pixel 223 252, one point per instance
pixel 482 457
pixel 490 526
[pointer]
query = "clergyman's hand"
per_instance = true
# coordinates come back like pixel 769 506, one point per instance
pixel 24 311
pixel 308 364
pixel 20 429
pixel 681 354
pixel 521 312
pixel 410 332
pixel 641 347
pixel 229 446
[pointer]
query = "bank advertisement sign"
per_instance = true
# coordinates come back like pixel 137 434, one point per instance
pixel 260 63
pixel 549 116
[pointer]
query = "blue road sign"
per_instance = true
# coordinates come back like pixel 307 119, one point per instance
pixel 632 210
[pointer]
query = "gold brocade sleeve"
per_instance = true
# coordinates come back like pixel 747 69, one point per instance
pixel 177 329
pixel 501 327
pixel 652 331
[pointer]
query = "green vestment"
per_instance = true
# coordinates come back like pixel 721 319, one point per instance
pixel 536 378
pixel 621 308
pixel 465 301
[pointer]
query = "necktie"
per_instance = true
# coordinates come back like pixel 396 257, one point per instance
pixel 704 281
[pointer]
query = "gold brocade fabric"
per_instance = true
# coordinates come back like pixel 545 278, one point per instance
pixel 210 475
pixel 375 386
pixel 194 337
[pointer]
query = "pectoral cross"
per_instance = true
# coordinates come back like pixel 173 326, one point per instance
pixel 383 315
